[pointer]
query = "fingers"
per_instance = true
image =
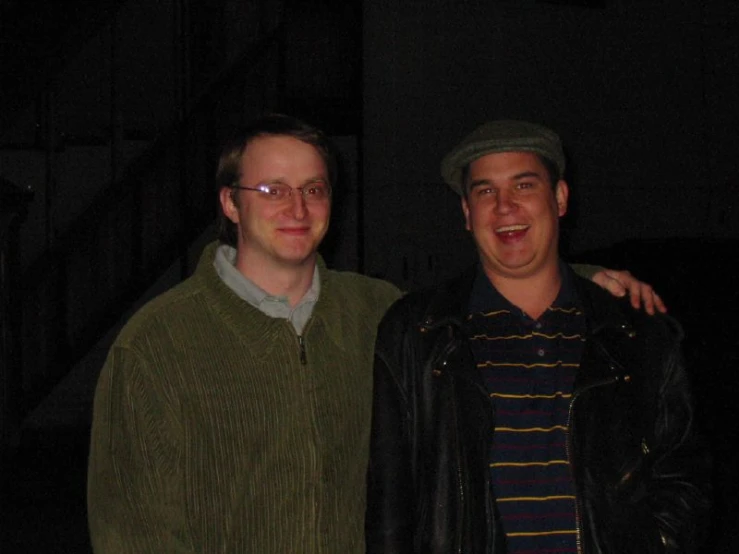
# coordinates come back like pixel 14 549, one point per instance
pixel 659 304
pixel 620 283
pixel 605 280
pixel 641 293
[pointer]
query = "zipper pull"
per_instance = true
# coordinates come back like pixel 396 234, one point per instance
pixel 303 357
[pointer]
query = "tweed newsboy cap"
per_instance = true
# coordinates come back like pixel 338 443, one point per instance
pixel 501 136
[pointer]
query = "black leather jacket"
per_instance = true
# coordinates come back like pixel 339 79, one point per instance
pixel 641 475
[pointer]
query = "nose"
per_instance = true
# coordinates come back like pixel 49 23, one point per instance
pixel 505 202
pixel 297 204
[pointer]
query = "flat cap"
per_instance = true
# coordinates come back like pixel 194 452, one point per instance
pixel 501 136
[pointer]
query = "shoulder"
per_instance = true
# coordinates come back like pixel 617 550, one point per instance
pixel 359 289
pixel 188 301
pixel 411 307
pixel 604 311
pixel 447 301
pixel 430 308
pixel 176 304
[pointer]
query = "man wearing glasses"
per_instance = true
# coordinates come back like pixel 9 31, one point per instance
pixel 232 414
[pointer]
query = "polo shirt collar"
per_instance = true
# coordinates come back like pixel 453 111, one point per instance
pixel 486 298
pixel 273 306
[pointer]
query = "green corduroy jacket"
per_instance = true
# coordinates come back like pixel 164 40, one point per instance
pixel 217 429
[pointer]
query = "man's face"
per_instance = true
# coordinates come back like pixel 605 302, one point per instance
pixel 278 234
pixel 513 214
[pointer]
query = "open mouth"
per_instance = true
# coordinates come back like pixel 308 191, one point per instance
pixel 507 231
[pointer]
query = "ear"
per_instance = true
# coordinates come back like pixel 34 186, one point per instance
pixel 562 194
pixel 230 210
pixel 466 212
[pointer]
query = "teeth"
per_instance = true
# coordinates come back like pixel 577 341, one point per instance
pixel 511 228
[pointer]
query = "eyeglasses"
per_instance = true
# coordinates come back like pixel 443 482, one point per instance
pixel 280 192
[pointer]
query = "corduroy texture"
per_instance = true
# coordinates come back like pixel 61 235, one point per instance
pixel 501 136
pixel 210 435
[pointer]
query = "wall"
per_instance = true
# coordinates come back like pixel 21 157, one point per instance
pixel 642 93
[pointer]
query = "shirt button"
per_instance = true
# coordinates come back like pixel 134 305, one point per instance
pixel 538 325
pixel 540 351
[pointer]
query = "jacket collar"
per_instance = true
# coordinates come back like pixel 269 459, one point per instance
pixel 449 304
pixel 329 310
pixel 602 311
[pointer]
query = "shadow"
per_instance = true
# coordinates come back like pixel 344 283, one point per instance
pixel 43 493
pixel 696 278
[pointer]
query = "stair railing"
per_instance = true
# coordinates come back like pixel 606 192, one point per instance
pixel 133 230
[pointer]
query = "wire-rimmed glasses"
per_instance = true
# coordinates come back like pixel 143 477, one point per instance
pixel 314 192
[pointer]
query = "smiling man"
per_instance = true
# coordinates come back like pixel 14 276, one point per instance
pixel 233 412
pixel 518 408
pixel 280 206
pixel 512 207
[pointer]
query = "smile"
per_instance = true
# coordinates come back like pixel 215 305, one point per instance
pixel 295 230
pixel 511 229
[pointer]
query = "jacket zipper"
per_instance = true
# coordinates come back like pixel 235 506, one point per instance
pixel 460 516
pixel 303 355
pixel 483 391
pixel 443 360
pixel 461 497
pixel 569 447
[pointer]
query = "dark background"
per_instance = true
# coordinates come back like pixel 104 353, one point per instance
pixel 112 112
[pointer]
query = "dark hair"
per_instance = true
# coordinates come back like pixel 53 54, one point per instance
pixel 550 167
pixel 273 124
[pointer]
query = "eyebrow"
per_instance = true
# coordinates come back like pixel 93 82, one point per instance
pixel 517 176
pixel 310 180
pixel 479 182
pixel 526 174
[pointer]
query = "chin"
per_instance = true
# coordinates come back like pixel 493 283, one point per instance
pixel 297 259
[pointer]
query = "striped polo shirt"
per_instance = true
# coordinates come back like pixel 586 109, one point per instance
pixel 528 367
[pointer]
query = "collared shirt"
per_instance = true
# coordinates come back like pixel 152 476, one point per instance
pixel 528 367
pixel 273 306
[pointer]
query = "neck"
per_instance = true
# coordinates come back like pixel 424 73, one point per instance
pixel 533 294
pixel 291 281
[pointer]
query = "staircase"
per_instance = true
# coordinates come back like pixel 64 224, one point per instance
pixel 111 117
pixel 113 191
